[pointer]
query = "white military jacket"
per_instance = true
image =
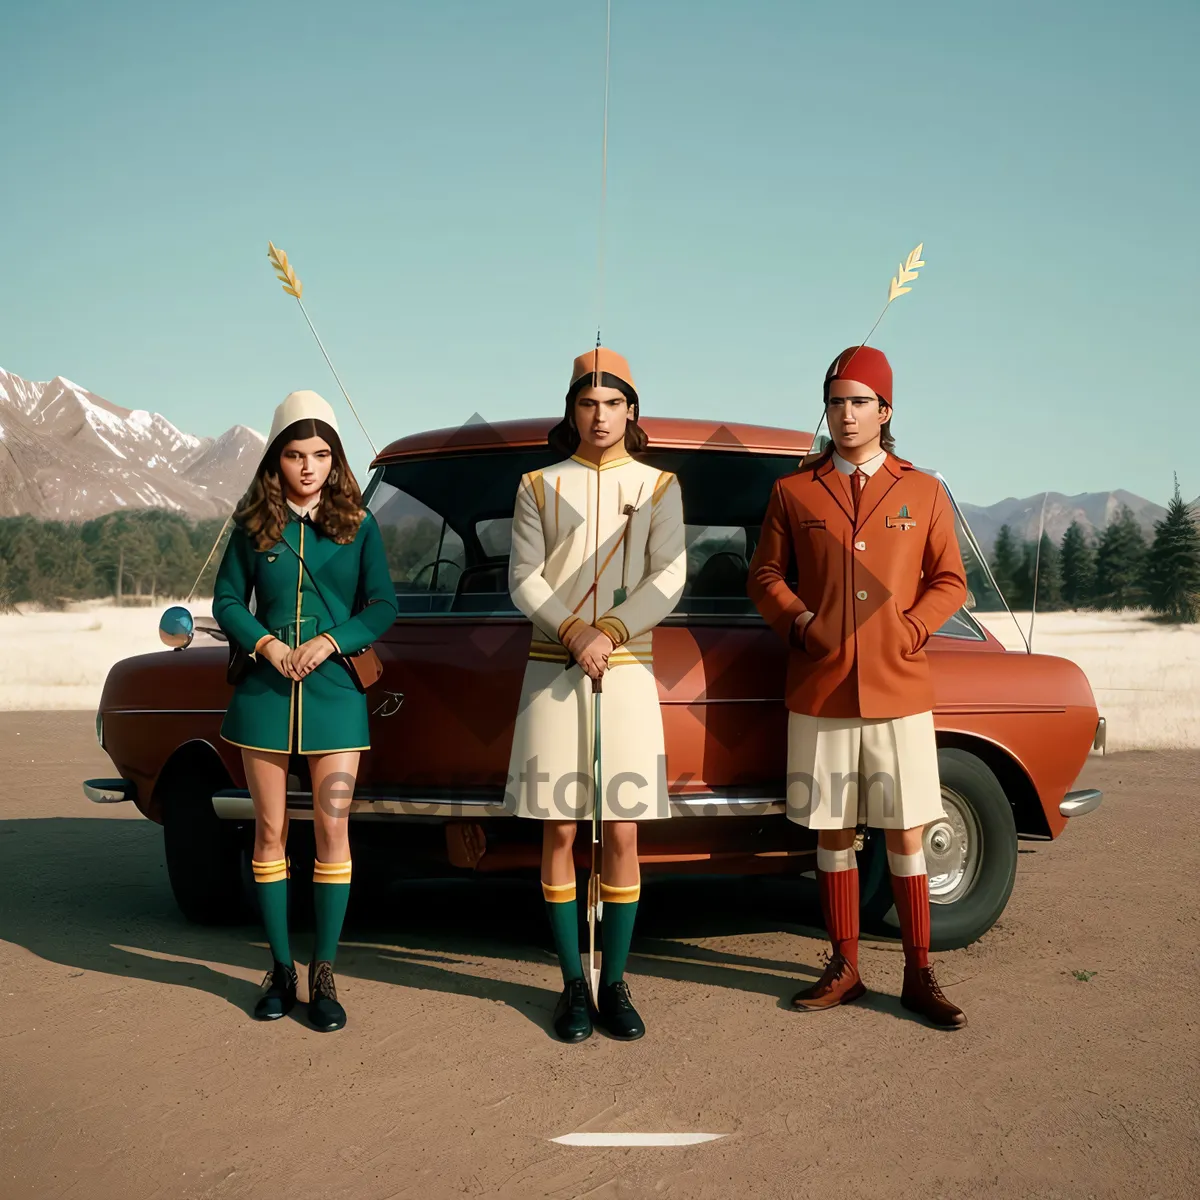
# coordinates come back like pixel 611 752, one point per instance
pixel 602 544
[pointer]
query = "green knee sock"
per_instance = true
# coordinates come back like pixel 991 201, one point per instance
pixel 270 885
pixel 616 928
pixel 331 894
pixel 564 925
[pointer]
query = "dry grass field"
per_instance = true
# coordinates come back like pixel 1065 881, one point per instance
pixel 1145 675
pixel 59 660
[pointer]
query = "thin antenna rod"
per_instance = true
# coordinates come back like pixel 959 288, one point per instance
pixel 1037 563
pixel 603 178
pixel 208 559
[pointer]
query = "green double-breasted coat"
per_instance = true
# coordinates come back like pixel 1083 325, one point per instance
pixel 324 712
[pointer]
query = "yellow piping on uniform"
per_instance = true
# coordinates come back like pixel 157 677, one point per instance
pixel 297 686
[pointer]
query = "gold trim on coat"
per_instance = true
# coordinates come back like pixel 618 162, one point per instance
pixel 539 488
pixel 603 466
pixel 264 749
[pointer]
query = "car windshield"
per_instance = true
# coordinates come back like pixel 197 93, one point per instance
pixel 446 522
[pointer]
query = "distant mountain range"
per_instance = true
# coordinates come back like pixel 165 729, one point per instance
pixel 68 454
pixel 1093 510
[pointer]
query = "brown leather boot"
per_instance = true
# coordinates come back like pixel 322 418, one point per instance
pixel 839 984
pixel 922 995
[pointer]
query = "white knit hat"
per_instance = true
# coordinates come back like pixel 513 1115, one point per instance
pixel 301 406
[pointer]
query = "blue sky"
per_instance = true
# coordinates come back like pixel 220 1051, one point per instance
pixel 433 171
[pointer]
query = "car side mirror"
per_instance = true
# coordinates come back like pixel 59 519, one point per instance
pixel 176 627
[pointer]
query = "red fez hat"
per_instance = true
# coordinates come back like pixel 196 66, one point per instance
pixel 602 361
pixel 865 365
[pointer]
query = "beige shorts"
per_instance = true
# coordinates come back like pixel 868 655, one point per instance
pixel 847 770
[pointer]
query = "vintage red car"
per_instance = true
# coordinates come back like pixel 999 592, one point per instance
pixel 1013 729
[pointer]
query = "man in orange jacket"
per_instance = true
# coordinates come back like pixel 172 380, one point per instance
pixel 878 570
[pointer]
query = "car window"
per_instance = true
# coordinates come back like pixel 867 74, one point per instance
pixel 425 556
pixel 718 561
pixel 457 508
pixel 495 536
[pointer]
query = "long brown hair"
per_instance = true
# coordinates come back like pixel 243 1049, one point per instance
pixel 564 438
pixel 263 512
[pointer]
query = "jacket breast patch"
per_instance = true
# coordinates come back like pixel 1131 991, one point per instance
pixel 901 520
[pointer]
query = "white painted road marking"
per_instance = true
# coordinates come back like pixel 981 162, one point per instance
pixel 636 1139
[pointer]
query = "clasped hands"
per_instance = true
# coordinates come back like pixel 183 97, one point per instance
pixel 590 648
pixel 298 662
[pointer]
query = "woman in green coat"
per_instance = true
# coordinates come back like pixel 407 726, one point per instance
pixel 303 509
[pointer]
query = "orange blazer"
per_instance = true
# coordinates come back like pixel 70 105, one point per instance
pixel 878 586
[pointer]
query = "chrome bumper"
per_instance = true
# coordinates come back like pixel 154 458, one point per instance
pixel 235 804
pixel 1075 804
pixel 108 791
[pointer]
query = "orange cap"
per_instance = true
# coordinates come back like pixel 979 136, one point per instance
pixel 601 360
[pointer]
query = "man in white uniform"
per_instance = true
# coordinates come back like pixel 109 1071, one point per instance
pixel 598 559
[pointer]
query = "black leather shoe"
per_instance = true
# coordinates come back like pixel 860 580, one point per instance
pixel 573 1013
pixel 324 1012
pixel 616 1014
pixel 280 997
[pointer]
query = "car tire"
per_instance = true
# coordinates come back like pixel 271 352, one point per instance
pixel 971 855
pixel 204 854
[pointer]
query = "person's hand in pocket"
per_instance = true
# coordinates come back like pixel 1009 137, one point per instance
pixel 799 629
pixel 915 632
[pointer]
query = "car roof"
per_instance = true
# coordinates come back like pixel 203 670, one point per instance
pixel 674 433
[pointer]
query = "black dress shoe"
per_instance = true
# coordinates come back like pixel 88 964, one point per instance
pixel 573 1013
pixel 280 997
pixel 324 1012
pixel 616 1014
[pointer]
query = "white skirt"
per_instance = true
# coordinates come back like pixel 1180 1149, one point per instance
pixel 550 772
pixel 847 770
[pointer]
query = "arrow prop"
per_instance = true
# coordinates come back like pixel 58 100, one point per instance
pixel 896 287
pixel 286 275
pixel 597 840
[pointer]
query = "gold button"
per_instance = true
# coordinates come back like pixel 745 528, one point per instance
pixel 860 545
pixel 861 595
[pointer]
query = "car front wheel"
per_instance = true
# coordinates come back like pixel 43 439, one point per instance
pixel 970 853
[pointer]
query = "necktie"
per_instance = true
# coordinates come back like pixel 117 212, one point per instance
pixel 856 487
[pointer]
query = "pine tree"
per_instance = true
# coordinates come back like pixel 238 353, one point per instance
pixel 1006 564
pixel 1173 565
pixel 1049 577
pixel 1021 592
pixel 1078 559
pixel 1120 563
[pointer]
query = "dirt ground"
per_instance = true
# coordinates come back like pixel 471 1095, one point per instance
pixel 129 1066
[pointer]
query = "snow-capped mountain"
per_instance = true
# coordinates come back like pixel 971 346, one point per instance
pixel 68 454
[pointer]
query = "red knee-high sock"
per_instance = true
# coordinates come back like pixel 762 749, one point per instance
pixel 839 904
pixel 911 893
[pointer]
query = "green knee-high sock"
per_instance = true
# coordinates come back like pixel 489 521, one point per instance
pixel 564 925
pixel 331 893
pixel 270 885
pixel 616 929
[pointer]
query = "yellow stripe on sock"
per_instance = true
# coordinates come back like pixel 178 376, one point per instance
pixel 620 895
pixel 269 872
pixel 558 893
pixel 331 872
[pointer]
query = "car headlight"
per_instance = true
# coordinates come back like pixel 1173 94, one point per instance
pixel 100 729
